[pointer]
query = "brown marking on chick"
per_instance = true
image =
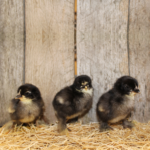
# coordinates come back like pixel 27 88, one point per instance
pixel 11 110
pixel 75 115
pixel 14 120
pixel 117 119
pixel 84 83
pixel 27 119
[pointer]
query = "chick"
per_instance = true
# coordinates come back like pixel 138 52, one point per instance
pixel 27 106
pixel 116 104
pixel 73 101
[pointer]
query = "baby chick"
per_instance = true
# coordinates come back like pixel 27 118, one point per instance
pixel 73 101
pixel 27 106
pixel 117 104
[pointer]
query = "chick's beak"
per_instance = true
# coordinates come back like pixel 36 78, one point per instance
pixel 137 91
pixel 18 96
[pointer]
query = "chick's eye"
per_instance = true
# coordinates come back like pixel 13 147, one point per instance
pixel 28 93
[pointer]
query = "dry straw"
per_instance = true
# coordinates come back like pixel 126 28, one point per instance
pixel 81 137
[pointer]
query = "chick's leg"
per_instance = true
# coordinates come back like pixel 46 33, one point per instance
pixel 8 126
pixel 71 121
pixel 45 119
pixel 127 124
pixel 62 127
pixel 104 126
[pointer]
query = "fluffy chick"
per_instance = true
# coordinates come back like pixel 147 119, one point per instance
pixel 116 104
pixel 73 101
pixel 27 106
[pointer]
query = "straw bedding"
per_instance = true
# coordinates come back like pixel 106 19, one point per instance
pixel 81 137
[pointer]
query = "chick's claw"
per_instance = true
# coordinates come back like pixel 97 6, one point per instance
pixel 69 129
pixel 64 132
pixel 105 127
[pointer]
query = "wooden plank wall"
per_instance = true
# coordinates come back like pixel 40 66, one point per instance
pixel 139 55
pixel 49 56
pixel 111 42
pixel 11 52
pixel 102 44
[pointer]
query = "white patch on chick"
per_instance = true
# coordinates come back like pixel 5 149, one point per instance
pixel 88 91
pixel 60 100
pixel 25 100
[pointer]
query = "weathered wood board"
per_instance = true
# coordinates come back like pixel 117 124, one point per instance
pixel 102 44
pixel 139 58
pixel 11 52
pixel 49 57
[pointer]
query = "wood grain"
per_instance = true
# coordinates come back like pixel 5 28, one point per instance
pixel 49 55
pixel 139 48
pixel 11 52
pixel 102 44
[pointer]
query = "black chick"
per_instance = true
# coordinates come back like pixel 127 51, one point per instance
pixel 27 106
pixel 73 101
pixel 116 104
